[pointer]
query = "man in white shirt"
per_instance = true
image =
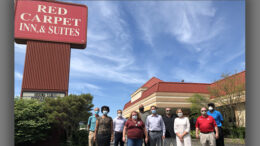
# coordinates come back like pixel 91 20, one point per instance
pixel 118 124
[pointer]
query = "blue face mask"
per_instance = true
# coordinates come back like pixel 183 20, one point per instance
pixel 96 112
pixel 105 112
pixel 153 111
pixel 134 117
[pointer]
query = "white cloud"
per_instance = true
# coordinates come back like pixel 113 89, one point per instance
pixel 18 76
pixel 189 22
pixel 108 55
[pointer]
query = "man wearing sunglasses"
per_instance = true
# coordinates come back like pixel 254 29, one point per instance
pixel 206 125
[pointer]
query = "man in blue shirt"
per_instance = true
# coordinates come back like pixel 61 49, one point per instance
pixel 91 127
pixel 219 121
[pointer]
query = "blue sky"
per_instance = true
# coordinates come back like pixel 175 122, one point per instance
pixel 130 42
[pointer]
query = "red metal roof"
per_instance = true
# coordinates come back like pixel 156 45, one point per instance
pixel 237 79
pixel 151 82
pixel 179 87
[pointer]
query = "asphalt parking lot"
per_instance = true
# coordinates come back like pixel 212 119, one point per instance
pixel 196 142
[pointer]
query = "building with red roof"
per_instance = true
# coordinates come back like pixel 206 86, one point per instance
pixel 174 94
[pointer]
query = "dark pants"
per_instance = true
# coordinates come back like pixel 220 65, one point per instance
pixel 118 139
pixel 103 139
pixel 220 140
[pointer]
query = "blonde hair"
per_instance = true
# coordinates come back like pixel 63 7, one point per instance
pixel 138 115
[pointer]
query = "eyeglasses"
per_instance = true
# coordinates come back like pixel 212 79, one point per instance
pixel 203 110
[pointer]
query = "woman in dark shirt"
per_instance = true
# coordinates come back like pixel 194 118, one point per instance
pixel 135 129
pixel 104 128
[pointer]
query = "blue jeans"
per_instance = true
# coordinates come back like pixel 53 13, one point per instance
pixel 134 142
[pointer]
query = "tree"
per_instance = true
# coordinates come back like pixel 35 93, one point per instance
pixel 67 112
pixel 197 102
pixel 30 121
pixel 228 93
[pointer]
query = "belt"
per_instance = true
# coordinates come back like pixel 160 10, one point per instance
pixel 118 132
pixel 206 132
pixel 154 131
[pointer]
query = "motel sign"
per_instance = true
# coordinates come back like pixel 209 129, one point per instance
pixel 49 29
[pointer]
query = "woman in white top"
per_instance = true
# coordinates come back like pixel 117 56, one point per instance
pixel 182 129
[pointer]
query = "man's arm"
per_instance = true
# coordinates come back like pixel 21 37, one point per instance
pixel 216 129
pixel 163 127
pixel 197 128
pixel 147 124
pixel 114 122
pixel 221 118
pixel 197 132
pixel 89 121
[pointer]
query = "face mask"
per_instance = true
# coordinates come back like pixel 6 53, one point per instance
pixel 141 109
pixel 105 112
pixel 180 114
pixel 96 112
pixel 211 108
pixel 153 111
pixel 119 115
pixel 134 117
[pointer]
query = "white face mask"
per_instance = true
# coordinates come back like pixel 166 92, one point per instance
pixel 119 115
pixel 180 114
pixel 211 108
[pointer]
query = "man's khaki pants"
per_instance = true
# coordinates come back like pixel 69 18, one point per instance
pixel 208 139
pixel 91 141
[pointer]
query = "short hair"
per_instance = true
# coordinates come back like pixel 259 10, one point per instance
pixel 138 115
pixel 104 107
pixel 119 110
pixel 153 106
pixel 141 105
pixel 211 104
pixel 203 107
pixel 179 109
pixel 168 107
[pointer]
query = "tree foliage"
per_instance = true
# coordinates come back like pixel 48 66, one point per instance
pixel 34 119
pixel 30 121
pixel 228 93
pixel 67 112
pixel 197 102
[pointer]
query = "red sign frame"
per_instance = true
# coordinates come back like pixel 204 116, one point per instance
pixel 51 21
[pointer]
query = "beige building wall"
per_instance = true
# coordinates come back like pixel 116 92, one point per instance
pixel 240 113
pixel 137 94
pixel 162 100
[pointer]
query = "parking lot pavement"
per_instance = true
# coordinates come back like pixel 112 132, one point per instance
pixel 196 142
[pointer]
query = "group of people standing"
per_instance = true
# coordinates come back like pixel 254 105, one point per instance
pixel 142 128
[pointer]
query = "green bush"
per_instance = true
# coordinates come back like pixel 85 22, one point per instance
pixel 80 138
pixel 30 121
pixel 234 132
